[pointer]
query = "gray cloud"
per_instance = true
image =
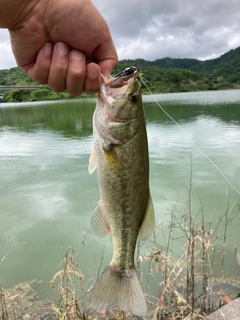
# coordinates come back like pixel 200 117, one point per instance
pixel 155 29
pixel 152 29
pixel 6 56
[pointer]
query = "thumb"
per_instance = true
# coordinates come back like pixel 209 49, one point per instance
pixel 106 57
pixel 107 66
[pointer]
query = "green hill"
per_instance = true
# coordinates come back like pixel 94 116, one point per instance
pixel 163 75
pixel 226 66
pixel 166 63
pixel 14 76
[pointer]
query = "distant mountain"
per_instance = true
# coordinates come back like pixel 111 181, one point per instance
pixel 14 76
pixel 167 63
pixel 226 66
pixel 162 75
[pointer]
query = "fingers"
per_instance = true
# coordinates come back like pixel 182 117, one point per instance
pixel 76 73
pixel 40 70
pixel 65 69
pixel 107 58
pixel 92 79
pixel 107 66
pixel 59 67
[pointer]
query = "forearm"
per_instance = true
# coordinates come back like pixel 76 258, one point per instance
pixel 14 12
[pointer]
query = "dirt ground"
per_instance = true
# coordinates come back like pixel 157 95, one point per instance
pixel 22 302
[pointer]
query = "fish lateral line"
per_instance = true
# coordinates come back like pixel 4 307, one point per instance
pixel 188 137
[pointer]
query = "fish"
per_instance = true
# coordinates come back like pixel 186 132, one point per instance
pixel 125 210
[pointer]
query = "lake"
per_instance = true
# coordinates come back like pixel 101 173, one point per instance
pixel 47 196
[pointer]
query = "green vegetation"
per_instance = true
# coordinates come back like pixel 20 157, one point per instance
pixel 162 75
pixel 17 77
pixel 179 75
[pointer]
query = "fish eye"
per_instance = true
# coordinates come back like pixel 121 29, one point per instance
pixel 133 96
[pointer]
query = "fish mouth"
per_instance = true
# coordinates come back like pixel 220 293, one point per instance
pixel 116 87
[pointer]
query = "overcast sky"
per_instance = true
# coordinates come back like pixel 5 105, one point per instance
pixel 153 29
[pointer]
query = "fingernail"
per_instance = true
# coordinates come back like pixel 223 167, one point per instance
pixel 61 48
pixel 92 73
pixel 47 48
pixel 77 55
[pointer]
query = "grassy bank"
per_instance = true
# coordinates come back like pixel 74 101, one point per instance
pixel 186 284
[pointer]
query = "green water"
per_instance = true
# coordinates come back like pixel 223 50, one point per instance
pixel 47 196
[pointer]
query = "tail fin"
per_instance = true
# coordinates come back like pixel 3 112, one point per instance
pixel 119 288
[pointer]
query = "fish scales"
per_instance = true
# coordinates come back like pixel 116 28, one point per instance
pixel 118 193
pixel 125 209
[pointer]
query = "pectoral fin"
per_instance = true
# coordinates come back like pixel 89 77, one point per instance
pixel 98 223
pixel 92 162
pixel 148 223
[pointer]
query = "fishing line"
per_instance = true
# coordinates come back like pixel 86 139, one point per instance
pixel 199 150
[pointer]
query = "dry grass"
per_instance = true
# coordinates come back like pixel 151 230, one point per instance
pixel 3 307
pixel 69 306
pixel 187 286
pixel 4 253
pixel 179 298
pixel 187 283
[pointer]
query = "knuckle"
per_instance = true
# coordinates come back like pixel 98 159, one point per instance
pixel 77 72
pixel 42 81
pixel 56 87
pixel 40 77
pixel 74 88
pixel 91 86
pixel 75 92
pixel 56 84
pixel 60 68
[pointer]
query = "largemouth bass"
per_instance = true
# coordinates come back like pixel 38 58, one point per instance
pixel 125 209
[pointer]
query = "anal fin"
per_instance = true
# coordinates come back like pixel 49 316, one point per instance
pixel 148 223
pixel 98 223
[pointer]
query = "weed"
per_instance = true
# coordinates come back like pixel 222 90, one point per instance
pixel 187 282
pixel 69 305
pixel 187 285
pixel 3 307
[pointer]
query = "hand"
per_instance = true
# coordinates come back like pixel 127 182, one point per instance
pixel 65 44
